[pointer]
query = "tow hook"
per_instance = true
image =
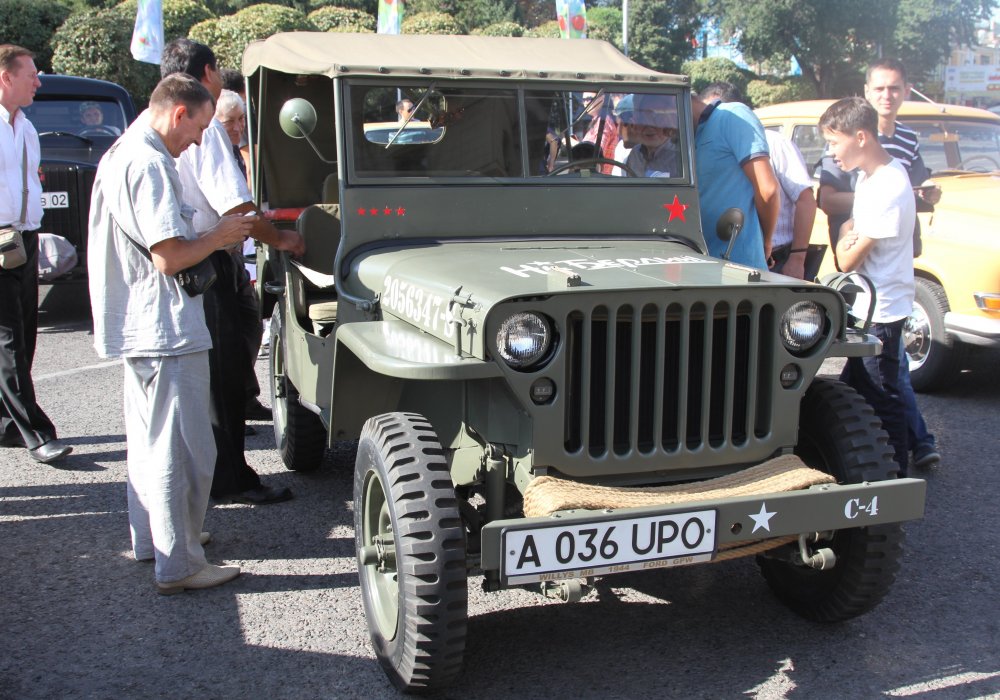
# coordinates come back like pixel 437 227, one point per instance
pixel 568 591
pixel 823 558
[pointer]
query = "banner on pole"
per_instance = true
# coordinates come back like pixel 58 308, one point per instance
pixel 147 39
pixel 572 16
pixel 390 16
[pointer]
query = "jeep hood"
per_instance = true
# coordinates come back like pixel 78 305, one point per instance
pixel 432 284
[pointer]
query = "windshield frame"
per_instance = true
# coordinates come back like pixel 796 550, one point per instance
pixel 353 132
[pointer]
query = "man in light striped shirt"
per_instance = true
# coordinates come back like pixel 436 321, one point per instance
pixel 886 88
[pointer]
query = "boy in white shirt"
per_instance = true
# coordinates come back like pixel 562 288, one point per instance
pixel 876 241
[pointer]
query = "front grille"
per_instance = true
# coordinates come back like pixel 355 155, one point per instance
pixel 70 222
pixel 667 378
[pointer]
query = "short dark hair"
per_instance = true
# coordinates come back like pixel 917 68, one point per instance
pixel 849 115
pixel 232 80
pixel 721 90
pixel 9 55
pixel 180 89
pixel 893 64
pixel 186 56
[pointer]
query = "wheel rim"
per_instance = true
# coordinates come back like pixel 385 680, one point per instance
pixel 917 336
pixel 279 408
pixel 382 577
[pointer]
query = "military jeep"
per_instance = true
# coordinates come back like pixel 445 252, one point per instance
pixel 523 350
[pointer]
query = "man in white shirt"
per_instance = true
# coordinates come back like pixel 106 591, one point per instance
pixel 22 421
pixel 214 187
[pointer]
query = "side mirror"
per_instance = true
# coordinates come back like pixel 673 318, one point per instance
pixel 728 228
pixel 297 118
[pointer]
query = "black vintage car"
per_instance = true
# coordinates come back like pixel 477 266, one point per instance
pixel 77 120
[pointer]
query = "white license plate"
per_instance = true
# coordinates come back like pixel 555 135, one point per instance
pixel 55 200
pixel 552 553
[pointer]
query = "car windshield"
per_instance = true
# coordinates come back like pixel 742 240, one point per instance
pixel 488 132
pixel 950 144
pixel 91 117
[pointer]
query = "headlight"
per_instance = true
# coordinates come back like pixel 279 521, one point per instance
pixel 802 326
pixel 524 339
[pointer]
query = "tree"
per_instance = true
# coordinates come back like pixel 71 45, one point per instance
pixel 834 42
pixel 714 70
pixel 605 23
pixel 228 36
pixel 32 26
pixel 660 32
pixel 342 19
pixel 430 23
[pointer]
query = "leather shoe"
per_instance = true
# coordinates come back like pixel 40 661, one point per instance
pixel 257 411
pixel 211 575
pixel 262 495
pixel 50 451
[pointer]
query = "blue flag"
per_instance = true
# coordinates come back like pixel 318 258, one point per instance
pixel 147 39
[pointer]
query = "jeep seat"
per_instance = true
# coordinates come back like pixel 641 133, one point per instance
pixel 313 290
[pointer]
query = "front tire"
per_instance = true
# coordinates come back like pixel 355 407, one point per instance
pixel 934 356
pixel 298 432
pixel 411 552
pixel 840 435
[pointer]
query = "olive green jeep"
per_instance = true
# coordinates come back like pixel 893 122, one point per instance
pixel 514 333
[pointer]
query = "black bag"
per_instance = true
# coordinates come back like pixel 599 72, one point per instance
pixel 198 278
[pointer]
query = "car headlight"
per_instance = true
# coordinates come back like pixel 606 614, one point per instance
pixel 523 339
pixel 802 326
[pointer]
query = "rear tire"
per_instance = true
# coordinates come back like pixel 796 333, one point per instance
pixel 411 552
pixel 935 358
pixel 298 432
pixel 840 435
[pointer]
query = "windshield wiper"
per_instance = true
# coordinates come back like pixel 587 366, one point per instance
pixel 413 112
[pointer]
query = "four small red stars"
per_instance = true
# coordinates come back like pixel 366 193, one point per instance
pixel 387 211
pixel 676 210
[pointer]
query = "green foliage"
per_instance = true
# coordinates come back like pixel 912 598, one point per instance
pixel 660 32
pixel 501 29
pixel 369 6
pixel 95 44
pixel 548 30
pixel 761 93
pixel 342 19
pixel 416 7
pixel 605 23
pixel 431 23
pixel 536 12
pixel 178 16
pixel 714 70
pixel 474 14
pixel 32 25
pixel 228 36
pixel 834 42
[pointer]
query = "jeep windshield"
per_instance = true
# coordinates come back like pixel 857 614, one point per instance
pixel 483 132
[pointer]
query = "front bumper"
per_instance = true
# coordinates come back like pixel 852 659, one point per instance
pixel 975 330
pixel 738 520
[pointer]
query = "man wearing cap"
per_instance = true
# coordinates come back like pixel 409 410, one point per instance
pixel 653 127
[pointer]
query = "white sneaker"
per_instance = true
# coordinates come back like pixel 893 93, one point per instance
pixel 212 575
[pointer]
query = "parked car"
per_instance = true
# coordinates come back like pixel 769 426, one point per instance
pixel 77 120
pixel 957 303
pixel 543 378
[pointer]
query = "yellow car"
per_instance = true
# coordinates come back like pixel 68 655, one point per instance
pixel 957 300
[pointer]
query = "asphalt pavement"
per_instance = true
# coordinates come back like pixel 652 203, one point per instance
pixel 79 618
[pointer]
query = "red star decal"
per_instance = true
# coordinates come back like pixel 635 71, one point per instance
pixel 387 211
pixel 676 210
pixel 362 212
pixel 400 211
pixel 373 212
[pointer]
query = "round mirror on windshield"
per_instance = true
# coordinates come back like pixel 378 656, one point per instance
pixel 297 118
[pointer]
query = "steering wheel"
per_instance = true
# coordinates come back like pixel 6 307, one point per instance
pixel 79 137
pixel 98 130
pixel 590 161
pixel 972 159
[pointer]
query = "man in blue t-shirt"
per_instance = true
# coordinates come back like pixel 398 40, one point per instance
pixel 734 170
